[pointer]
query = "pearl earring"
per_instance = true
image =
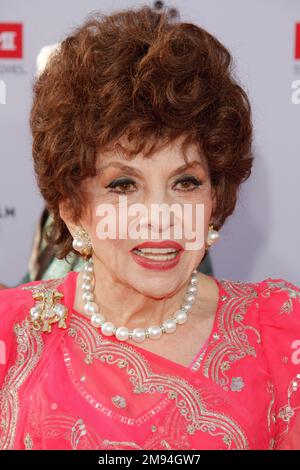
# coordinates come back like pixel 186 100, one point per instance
pixel 82 242
pixel 212 237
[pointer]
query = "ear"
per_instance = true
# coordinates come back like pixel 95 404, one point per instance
pixel 62 205
pixel 65 216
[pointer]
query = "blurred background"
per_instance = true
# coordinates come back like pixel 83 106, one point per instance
pixel 262 238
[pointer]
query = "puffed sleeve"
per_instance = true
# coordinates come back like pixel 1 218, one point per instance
pixel 279 319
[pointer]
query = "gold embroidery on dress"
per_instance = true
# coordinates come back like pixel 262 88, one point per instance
pixel 189 403
pixel 61 426
pixel 233 345
pixel 45 284
pixel 116 444
pixel 29 350
pixel 287 412
pixel 120 445
pixel 198 362
pixel 237 384
pixel 80 436
pixel 271 416
pixel 28 442
pixel 78 430
pixel 282 286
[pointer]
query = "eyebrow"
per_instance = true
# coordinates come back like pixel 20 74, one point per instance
pixel 135 171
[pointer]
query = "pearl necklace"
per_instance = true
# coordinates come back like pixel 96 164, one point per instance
pixel 122 333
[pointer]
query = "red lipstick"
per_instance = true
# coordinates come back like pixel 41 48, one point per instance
pixel 148 260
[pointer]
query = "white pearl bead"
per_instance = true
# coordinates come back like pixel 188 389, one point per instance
pixel 190 298
pixel 88 277
pixel 193 281
pixel 192 290
pixel 187 307
pixel 35 312
pixel 88 268
pixel 214 235
pixel 87 286
pixel 122 333
pixel 60 310
pixel 90 308
pixel 170 325
pixel 96 319
pixel 88 296
pixel 138 335
pixel 78 244
pixel 107 328
pixel 181 316
pixel 155 332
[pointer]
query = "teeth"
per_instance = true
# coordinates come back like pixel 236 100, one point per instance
pixel 156 257
pixel 157 250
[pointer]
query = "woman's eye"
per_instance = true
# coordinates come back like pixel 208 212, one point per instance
pixel 188 183
pixel 124 184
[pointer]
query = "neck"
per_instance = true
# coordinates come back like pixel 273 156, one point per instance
pixel 123 305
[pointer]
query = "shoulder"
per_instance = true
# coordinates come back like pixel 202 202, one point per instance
pixel 16 296
pixel 12 300
pixel 275 301
pixel 270 286
pixel 279 300
pixel 274 295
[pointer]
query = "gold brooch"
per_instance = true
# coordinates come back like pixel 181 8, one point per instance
pixel 48 310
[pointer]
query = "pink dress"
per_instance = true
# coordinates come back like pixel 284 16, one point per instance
pixel 73 388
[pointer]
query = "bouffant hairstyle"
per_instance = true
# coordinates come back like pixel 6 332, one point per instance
pixel 138 73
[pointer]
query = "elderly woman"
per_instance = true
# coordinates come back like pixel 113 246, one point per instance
pixel 138 350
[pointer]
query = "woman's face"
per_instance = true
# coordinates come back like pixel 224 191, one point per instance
pixel 161 179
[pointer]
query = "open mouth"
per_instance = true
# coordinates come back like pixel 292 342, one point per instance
pixel 157 254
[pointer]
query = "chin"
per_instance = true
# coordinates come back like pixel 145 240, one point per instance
pixel 153 287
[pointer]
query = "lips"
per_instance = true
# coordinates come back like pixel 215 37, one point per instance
pixel 157 255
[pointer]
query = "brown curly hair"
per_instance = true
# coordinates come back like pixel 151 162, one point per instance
pixel 139 73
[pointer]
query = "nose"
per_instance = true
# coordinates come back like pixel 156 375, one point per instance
pixel 156 219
